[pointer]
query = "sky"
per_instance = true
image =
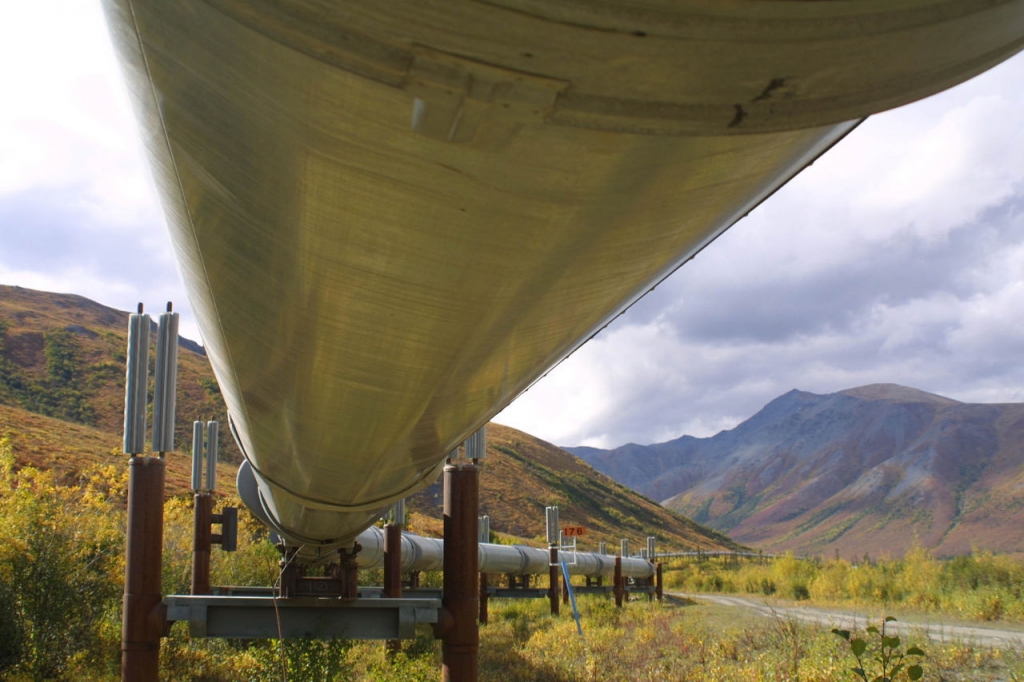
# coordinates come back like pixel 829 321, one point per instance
pixel 898 257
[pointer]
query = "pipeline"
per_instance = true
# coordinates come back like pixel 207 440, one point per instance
pixel 427 554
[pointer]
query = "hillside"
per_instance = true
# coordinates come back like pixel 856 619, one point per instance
pixel 870 469
pixel 61 402
pixel 522 475
pixel 63 356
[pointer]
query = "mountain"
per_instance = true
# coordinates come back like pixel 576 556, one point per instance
pixel 870 469
pixel 63 356
pixel 62 400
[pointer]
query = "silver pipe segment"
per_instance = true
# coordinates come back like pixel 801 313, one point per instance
pixel 427 554
pixel 165 382
pixel 393 218
pixel 136 383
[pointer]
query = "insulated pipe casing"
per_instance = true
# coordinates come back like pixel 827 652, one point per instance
pixel 197 456
pixel 426 554
pixel 476 445
pixel 165 382
pixel 136 383
pixel 212 435
pixel 398 513
pixel 553 531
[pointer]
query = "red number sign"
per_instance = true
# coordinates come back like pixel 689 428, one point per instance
pixel 574 531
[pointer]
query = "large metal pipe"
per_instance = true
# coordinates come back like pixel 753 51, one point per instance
pixel 427 554
pixel 393 219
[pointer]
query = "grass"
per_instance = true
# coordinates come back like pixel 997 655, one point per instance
pixel 75 531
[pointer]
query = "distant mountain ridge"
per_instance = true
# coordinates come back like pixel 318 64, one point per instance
pixel 869 469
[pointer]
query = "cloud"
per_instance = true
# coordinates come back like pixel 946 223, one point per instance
pixel 78 211
pixel 897 257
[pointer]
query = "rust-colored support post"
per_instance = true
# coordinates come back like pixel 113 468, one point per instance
pixel 348 571
pixel 565 592
pixel 202 541
pixel 460 633
pixel 392 560
pixel 144 619
pixel 658 584
pixel 617 588
pixel 483 598
pixel 553 581
pixel 393 571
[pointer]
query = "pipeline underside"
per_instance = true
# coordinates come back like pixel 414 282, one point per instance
pixel 392 218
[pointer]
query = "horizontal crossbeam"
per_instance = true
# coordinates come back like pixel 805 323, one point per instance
pixel 301 617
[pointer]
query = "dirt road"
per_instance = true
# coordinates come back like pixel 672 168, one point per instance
pixel 939 632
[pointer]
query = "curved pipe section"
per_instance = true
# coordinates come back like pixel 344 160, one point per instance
pixel 392 218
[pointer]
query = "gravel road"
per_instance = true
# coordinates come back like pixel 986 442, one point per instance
pixel 939 632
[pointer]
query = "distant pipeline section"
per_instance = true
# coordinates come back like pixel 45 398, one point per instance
pixel 427 554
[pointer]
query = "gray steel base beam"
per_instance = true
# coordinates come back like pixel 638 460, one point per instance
pixel 301 617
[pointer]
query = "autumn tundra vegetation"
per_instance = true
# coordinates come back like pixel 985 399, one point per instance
pixel 61 571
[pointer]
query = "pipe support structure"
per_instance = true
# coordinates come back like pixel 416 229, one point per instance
pixel 460 635
pixel 143 621
pixel 393 570
pixel 554 596
pixel 202 542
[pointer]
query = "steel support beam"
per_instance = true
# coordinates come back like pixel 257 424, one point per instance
pixel 619 589
pixel 202 518
pixel 554 591
pixel 393 570
pixel 143 620
pixel 300 617
pixel 483 598
pixel 459 631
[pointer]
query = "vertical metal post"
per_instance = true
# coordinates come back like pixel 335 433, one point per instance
pixel 657 581
pixel 392 560
pixel 618 588
pixel 202 503
pixel 460 634
pixel 554 590
pixel 483 598
pixel 143 617
pixel 484 537
pixel 554 535
pixel 393 565
pixel 202 542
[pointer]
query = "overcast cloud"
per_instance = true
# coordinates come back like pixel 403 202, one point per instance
pixel 898 257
